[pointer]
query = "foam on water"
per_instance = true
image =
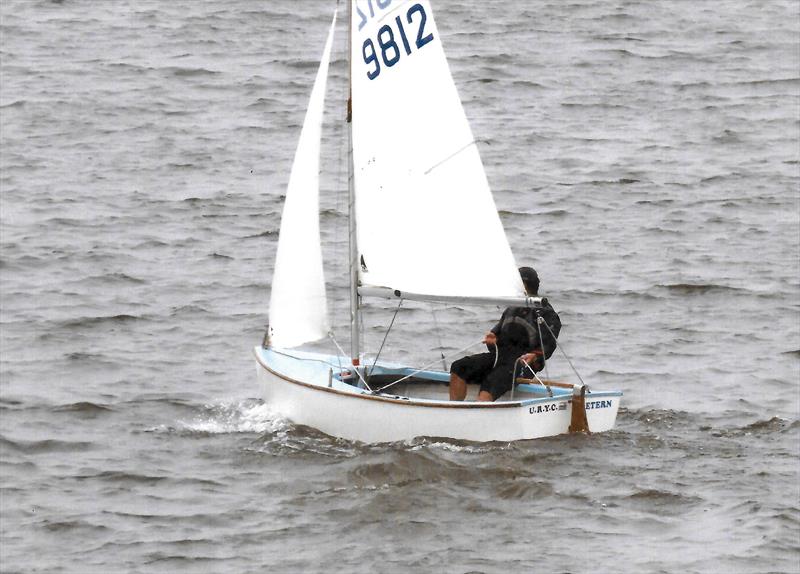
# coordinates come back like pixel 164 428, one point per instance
pixel 236 417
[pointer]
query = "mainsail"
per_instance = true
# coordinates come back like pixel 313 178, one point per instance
pixel 298 307
pixel 427 222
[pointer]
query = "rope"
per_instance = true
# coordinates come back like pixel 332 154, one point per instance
pixel 428 366
pixel 514 376
pixel 539 321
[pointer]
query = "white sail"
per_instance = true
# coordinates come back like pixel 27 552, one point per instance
pixel 427 222
pixel 298 306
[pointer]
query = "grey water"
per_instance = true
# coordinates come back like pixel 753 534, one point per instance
pixel 644 157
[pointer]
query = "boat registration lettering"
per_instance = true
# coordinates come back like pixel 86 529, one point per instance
pixel 597 405
pixel 535 409
pixel 371 5
pixel 387 38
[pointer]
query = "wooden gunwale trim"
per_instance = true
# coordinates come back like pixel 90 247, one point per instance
pixel 535 383
pixel 391 400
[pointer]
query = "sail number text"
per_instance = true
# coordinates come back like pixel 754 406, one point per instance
pixel 387 38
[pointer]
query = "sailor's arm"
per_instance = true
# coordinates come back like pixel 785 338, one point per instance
pixel 491 336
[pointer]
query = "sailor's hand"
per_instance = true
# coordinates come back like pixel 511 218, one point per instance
pixel 531 358
pixel 490 339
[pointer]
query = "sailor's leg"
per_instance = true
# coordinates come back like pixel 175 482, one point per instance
pixel 471 368
pixel 458 388
pixel 498 381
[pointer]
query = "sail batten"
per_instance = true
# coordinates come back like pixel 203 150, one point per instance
pixel 298 304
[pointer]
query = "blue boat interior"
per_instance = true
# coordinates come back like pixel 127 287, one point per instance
pixel 391 380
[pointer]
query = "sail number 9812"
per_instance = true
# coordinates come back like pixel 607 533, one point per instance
pixel 388 48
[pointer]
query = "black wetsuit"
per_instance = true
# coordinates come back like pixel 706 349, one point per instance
pixel 517 334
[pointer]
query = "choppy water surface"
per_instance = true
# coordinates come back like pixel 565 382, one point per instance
pixel 644 157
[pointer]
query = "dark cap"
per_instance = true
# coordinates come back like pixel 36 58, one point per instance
pixel 530 279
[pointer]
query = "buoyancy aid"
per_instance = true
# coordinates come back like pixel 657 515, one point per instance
pixel 518 328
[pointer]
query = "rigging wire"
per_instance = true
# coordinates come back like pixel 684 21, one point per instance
pixel 438 335
pixel 354 367
pixel 535 376
pixel 539 321
pixel 283 354
pixel 386 336
pixel 361 335
pixel 426 367
pixel 561 348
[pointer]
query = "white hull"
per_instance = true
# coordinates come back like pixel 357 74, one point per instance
pixel 297 387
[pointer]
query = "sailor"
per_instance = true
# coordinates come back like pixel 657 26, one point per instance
pixel 518 337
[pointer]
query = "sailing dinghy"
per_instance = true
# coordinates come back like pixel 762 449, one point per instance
pixel 410 139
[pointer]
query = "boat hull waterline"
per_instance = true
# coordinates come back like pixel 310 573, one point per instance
pixel 299 386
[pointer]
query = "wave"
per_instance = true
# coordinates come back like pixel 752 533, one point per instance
pixel 100 320
pixel 265 102
pixel 151 243
pixel 7 403
pixel 190 72
pixel 115 278
pixel 188 309
pixel 617 37
pixel 600 105
pixel 45 446
pixel 122 476
pixel 84 407
pixel 433 466
pixel 619 181
pixel 661 418
pixel 772 81
pixel 611 295
pixel 64 526
pixel 662 501
pixel 65 222
pixel 527 84
pixel 450 445
pixel 698 288
pixel 267 233
pixel 768 426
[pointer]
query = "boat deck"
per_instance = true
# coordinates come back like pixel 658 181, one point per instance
pixel 334 372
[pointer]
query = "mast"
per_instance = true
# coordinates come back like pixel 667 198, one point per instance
pixel 355 334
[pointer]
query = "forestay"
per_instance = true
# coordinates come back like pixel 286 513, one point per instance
pixel 427 222
pixel 298 306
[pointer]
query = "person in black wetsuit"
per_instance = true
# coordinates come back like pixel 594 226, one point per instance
pixel 516 336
